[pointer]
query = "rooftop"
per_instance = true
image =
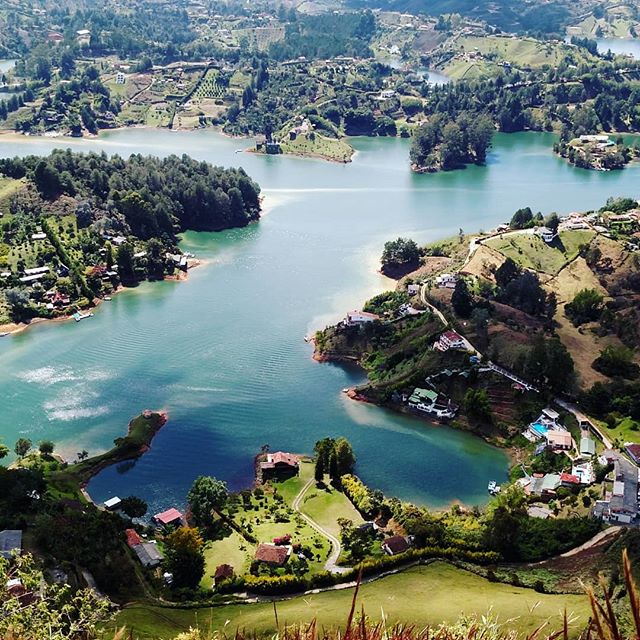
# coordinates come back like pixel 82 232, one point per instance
pixel 168 516
pixel 272 554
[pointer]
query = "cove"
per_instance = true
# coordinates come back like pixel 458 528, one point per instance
pixel 223 352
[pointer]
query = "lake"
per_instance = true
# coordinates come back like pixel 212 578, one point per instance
pixel 223 352
pixel 621 46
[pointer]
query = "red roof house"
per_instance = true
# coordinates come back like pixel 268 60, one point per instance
pixel 569 479
pixel 634 451
pixel 170 516
pixel 272 554
pixel 396 544
pixel 132 537
pixel 279 463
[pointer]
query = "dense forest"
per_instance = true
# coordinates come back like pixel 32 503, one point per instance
pixel 148 196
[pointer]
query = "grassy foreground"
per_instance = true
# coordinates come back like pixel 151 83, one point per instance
pixel 422 595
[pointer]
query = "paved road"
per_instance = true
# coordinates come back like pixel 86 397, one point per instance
pixel 332 561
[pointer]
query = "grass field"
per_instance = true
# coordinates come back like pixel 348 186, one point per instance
pixel 328 148
pixel 628 430
pixel 231 550
pixel 325 506
pixel 421 595
pixel 531 252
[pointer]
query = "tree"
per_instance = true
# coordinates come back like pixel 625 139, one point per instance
pixel 400 252
pixel 522 219
pixel 124 259
pixel 56 612
pixel 184 557
pixel 461 299
pixel 46 447
pixel 318 471
pixel 133 506
pixel 4 451
pixel 552 222
pixel 19 304
pixel 206 496
pixel 617 361
pixel 505 515
pixel 586 306
pixel 345 458
pixel 23 445
pixel 356 541
pixel 507 272
pixel 476 403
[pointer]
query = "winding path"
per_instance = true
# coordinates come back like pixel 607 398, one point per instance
pixel 332 561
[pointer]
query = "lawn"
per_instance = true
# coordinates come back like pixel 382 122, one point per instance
pixel 231 550
pixel 531 252
pixel 8 186
pixel 627 430
pixel 328 148
pixel 327 505
pixel 437 593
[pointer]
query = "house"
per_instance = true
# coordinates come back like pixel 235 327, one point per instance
pixel 223 572
pixel 559 440
pixel 413 289
pixel 621 504
pixel 121 78
pixel 55 37
pixel 543 485
pixel 587 447
pixel 539 512
pixel 386 94
pixel 569 480
pixel 39 236
pixel 546 234
pixel 272 554
pixel 148 554
pixel 112 503
pixel 452 340
pixel 446 281
pixel 279 464
pixel 169 517
pixel 396 544
pixel 633 450
pixel 545 422
pixel 432 402
pixel 10 542
pixel 585 472
pixel 132 537
pixel 355 318
pixel 83 37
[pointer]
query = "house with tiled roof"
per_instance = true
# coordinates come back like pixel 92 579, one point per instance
pixel 272 554
pixel 169 517
pixel 278 464
pixel 396 544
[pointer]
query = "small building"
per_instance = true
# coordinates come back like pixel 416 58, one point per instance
pixel 223 572
pixel 354 318
pixel 112 503
pixel 396 544
pixel 132 537
pixel 539 512
pixel 55 37
pixel 10 542
pixel 559 440
pixel 39 236
pixel 413 289
pixel 121 78
pixel 433 403
pixel 446 281
pixel 452 340
pixel 279 464
pixel 546 234
pixel 587 447
pixel 170 517
pixel 83 37
pixel 569 480
pixel 272 554
pixel 633 450
pixel 148 554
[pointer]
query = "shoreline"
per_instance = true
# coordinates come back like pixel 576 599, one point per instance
pixel 13 328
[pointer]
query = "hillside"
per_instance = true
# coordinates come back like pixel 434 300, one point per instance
pixel 75 227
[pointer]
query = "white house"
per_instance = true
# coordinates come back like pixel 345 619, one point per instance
pixel 112 503
pixel 83 37
pixel 360 317
pixel 546 234
pixel 120 78
pixel 446 281
pixel 413 289
pixel 39 236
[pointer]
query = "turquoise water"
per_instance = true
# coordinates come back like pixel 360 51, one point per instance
pixel 622 46
pixel 224 353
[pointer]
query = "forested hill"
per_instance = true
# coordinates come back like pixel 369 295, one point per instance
pixel 143 196
pixel 510 15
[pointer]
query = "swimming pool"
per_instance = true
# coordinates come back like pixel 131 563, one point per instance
pixel 540 428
